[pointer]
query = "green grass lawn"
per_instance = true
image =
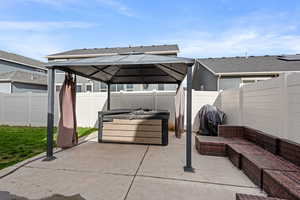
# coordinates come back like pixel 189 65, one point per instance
pixel 20 143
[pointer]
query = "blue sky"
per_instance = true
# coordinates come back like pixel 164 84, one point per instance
pixel 211 28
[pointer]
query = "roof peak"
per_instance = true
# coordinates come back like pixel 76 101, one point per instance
pixel 165 48
pixel 129 46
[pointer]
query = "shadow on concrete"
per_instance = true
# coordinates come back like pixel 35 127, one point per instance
pixel 7 196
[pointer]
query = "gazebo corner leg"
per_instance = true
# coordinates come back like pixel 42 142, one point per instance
pixel 188 167
pixel 50 116
pixel 108 96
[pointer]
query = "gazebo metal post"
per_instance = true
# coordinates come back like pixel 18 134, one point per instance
pixel 50 116
pixel 188 167
pixel 108 96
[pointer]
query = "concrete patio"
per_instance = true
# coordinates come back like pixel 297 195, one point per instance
pixel 127 172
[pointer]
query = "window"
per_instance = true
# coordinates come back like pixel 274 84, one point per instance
pixel 248 81
pixel 88 87
pixel 59 71
pixel 103 87
pixel 78 88
pixel 161 86
pixel 129 87
pixel 145 86
pixel 57 87
pixel 113 87
pixel 120 87
pixel 116 87
pixel 253 80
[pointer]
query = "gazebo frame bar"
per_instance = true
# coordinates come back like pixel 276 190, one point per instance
pixel 188 167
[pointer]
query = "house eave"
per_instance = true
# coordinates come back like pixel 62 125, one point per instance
pixel 13 61
pixel 29 83
pixel 252 73
pixel 23 82
pixel 5 81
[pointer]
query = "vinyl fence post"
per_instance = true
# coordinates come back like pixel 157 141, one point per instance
pixel 241 105
pixel 285 106
pixel 29 109
pixel 2 109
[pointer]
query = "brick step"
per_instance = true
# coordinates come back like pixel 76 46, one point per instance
pixel 270 162
pixel 253 166
pixel 282 184
pixel 216 146
pixel 253 197
pixel 235 152
pixel 253 159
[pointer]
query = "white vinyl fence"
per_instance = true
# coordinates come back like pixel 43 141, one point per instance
pixel 272 106
pixel 30 109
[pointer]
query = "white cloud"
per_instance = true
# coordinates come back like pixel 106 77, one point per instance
pixel 238 43
pixel 42 26
pixel 256 34
pixel 37 39
pixel 56 3
pixel 32 45
pixel 117 6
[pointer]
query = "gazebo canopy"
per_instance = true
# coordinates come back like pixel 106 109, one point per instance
pixel 126 69
pixel 133 68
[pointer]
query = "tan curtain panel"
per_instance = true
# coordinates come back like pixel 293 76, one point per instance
pixel 179 111
pixel 67 134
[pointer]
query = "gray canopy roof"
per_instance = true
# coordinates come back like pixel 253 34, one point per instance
pixel 140 68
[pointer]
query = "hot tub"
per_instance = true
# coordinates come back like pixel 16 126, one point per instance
pixel 136 126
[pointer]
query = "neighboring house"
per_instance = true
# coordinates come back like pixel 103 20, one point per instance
pixel 87 85
pixel 21 74
pixel 21 81
pixel 214 74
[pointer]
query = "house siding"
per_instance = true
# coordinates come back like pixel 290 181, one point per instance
pixel 229 83
pixel 211 82
pixel 60 77
pixel 22 88
pixel 5 87
pixel 203 79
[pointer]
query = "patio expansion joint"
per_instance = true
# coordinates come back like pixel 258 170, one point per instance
pixel 81 171
pixel 136 172
pixel 195 181
pixel 63 169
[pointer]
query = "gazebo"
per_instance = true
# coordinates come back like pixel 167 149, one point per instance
pixel 126 69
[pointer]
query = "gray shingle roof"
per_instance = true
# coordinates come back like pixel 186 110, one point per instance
pixel 290 57
pixel 21 59
pixel 24 77
pixel 251 64
pixel 119 50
